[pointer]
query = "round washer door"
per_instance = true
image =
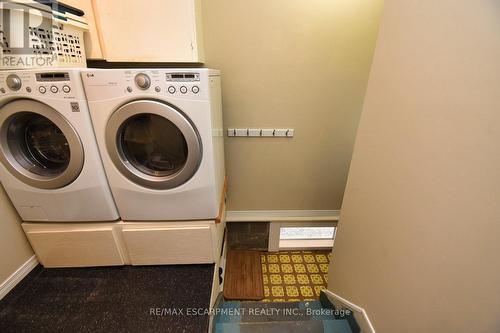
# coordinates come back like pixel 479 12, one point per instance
pixel 153 144
pixel 38 145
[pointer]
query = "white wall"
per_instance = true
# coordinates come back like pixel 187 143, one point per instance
pixel 419 237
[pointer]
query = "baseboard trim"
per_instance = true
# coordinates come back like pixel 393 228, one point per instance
pixel 282 215
pixel 359 313
pixel 17 276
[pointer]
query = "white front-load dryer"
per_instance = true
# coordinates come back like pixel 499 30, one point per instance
pixel 49 159
pixel 161 141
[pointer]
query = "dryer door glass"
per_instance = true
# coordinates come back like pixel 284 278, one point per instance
pixel 38 144
pixel 153 144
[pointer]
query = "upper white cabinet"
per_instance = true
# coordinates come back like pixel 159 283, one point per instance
pixel 149 31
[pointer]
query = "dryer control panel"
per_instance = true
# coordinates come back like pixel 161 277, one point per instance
pixel 191 84
pixel 51 84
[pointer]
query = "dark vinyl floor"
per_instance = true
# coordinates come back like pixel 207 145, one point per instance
pixel 111 299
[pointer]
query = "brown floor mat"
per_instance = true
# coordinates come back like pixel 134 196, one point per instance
pixel 243 277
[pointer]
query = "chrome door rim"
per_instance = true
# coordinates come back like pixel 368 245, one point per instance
pixel 162 109
pixel 8 112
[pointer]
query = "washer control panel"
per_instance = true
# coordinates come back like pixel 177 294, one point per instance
pixel 55 84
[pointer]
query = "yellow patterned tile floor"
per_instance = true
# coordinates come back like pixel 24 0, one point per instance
pixel 294 276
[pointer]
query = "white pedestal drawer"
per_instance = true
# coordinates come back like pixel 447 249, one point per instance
pixel 125 243
pixel 164 244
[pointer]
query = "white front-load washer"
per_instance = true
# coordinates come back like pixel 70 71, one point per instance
pixel 49 159
pixel 161 141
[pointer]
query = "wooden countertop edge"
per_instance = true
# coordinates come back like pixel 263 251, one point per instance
pixel 222 202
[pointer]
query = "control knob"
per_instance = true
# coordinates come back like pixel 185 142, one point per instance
pixel 14 82
pixel 142 81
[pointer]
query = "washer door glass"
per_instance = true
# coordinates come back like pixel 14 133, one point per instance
pixel 153 144
pixel 37 144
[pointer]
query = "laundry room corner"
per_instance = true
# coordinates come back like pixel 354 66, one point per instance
pixel 17 257
pixel 235 166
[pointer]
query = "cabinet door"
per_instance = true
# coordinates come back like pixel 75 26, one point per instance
pixel 91 38
pixel 149 31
